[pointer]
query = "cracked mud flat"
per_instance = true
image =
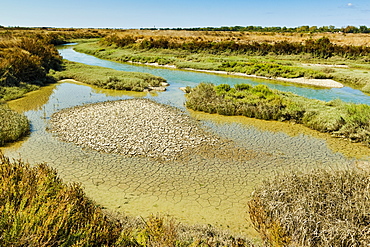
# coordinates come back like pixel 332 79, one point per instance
pixel 135 127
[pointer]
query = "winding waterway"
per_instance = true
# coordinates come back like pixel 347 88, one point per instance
pixel 181 78
pixel 201 189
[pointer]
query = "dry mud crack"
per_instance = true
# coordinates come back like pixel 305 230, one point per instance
pixel 135 127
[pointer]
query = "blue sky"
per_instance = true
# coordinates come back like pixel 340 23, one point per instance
pixel 191 13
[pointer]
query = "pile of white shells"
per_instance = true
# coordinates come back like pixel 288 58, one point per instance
pixel 135 127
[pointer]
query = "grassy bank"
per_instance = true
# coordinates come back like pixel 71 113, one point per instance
pixel 321 208
pixel 201 60
pixel 346 120
pixel 108 78
pixel 352 71
pixel 38 209
pixel 12 125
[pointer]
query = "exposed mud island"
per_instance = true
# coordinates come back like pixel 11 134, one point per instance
pixel 135 127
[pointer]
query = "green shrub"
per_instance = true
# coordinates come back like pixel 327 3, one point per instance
pixel 24 63
pixel 242 87
pixel 258 102
pixel 15 92
pixel 37 209
pixel 203 98
pixel 321 208
pixel 12 125
pixel 26 60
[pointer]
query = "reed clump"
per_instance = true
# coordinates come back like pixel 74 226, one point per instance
pixel 37 209
pixel 108 78
pixel 320 208
pixel 13 125
pixel 347 120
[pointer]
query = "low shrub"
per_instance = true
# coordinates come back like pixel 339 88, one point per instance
pixel 320 48
pixel 321 208
pixel 356 123
pixel 37 209
pixel 15 92
pixel 24 63
pixel 12 125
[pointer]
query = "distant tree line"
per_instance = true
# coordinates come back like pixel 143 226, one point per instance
pixel 300 29
pixel 321 48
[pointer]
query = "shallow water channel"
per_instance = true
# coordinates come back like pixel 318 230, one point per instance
pixel 204 188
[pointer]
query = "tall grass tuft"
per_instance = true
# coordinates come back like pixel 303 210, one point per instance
pixel 12 125
pixel 357 123
pixel 321 208
pixel 37 209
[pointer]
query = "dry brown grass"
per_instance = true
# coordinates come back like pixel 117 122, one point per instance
pixel 356 39
pixel 321 208
pixel 246 37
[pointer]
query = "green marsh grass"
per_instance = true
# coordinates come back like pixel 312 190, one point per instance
pixel 15 92
pixel 320 208
pixel 13 125
pixel 37 209
pixel 347 120
pixel 107 78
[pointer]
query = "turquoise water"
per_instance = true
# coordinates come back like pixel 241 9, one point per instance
pixel 179 78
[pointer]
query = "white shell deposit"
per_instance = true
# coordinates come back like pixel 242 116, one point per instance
pixel 135 127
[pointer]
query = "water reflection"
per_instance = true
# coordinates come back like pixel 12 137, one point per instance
pixel 34 100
